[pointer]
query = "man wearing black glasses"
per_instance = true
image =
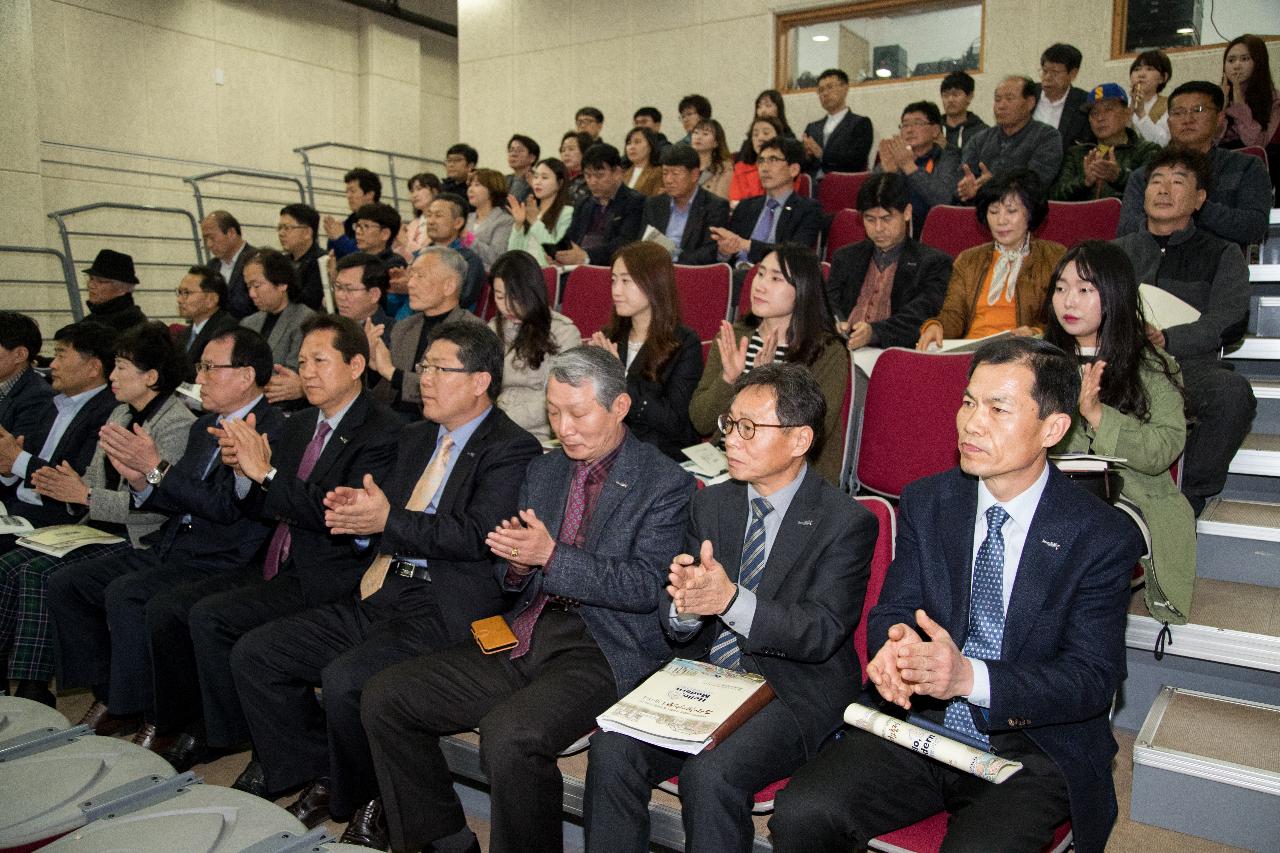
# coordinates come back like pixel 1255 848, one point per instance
pixel 772 582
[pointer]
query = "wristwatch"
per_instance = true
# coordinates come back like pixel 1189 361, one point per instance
pixel 156 474
pixel 267 478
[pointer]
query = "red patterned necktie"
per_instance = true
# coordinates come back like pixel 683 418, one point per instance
pixel 574 509
pixel 278 550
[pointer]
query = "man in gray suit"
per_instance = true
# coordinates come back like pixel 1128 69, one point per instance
pixel 586 560
pixel 435 287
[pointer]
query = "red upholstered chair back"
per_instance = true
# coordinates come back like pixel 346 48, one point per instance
pixel 880 560
pixel 953 228
pixel 1256 151
pixel 744 295
pixel 845 229
pixel 909 418
pixel 486 308
pixel 704 294
pixel 551 275
pixel 804 185
pixel 588 299
pixel 1072 222
pixel 838 190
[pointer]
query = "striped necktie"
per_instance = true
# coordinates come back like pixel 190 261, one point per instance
pixel 725 651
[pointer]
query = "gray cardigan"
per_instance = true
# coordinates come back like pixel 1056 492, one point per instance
pixel 286 337
pixel 1037 147
pixel 169 428
pixel 491 235
pixel 1204 271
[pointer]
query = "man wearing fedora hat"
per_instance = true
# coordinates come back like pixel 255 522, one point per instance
pixel 111 283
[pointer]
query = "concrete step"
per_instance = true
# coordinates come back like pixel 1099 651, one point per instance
pixel 1239 541
pixel 1259 455
pixel 1254 348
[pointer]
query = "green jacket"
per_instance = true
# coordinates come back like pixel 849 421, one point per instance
pixel 1135 153
pixel 1151 448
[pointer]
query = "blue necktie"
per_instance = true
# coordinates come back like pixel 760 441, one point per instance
pixel 764 225
pixel 725 651
pixel 986 615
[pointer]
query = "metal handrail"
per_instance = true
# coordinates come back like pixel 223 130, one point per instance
pixel 309 165
pixel 68 277
pixel 194 182
pixel 66 233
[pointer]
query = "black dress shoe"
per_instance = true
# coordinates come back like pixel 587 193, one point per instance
pixel 188 750
pixel 312 805
pixel 36 691
pixel 368 827
pixel 252 780
pixel 148 737
pixel 105 723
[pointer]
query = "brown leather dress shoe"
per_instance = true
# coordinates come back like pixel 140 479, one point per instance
pixel 105 723
pixel 312 805
pixel 148 737
pixel 368 827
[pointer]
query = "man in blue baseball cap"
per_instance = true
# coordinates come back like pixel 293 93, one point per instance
pixel 1101 169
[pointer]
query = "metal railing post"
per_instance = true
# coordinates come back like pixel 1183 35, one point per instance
pixel 68 274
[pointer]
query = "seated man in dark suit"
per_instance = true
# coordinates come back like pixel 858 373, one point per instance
pixel 359 281
pixel 430 575
pixel 83 355
pixel 296 230
pixel 228 253
pixel 758 224
pixel 585 560
pixel 610 218
pixel 841 142
pixel 99 606
pixel 110 283
pixel 1060 104
pixel 1027 662
pixel 202 300
pixel 683 212
pixel 1239 194
pixel 883 288
pixel 343 437
pixel 435 283
pixel 26 399
pixel 772 583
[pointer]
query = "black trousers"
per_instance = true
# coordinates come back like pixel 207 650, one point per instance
pixel 527 710
pixel 1223 405
pixel 98 607
pixel 716 786
pixel 862 786
pixel 337 647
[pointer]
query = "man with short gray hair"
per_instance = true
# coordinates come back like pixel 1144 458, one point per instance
pixel 586 559
pixel 435 286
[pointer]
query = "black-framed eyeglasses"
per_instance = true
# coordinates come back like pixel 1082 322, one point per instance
pixel 746 426
pixel 206 366
pixel 428 369
pixel 348 288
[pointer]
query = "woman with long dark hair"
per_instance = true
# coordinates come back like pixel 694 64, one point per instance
pixel 544 216
pixel 1253 101
pixel 1131 407
pixel 709 141
pixel 530 333
pixel 423 188
pixel 148 367
pixel 789 321
pixel 663 358
pixel 769 104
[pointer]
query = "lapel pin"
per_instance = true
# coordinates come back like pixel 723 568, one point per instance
pixel 1053 545
pixel 342 438
pixel 808 522
pixel 620 483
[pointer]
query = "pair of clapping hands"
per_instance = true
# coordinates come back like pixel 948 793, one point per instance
pixel 907 665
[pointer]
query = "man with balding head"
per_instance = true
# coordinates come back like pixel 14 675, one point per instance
pixel 435 286
pixel 228 253
pixel 1016 141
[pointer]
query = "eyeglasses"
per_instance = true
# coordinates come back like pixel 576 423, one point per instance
pixel 348 288
pixel 183 292
pixel 746 426
pixel 280 229
pixel 907 125
pixel 1183 112
pixel 366 226
pixel 771 159
pixel 206 366
pixel 428 369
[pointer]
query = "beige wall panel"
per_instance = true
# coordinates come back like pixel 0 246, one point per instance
pixel 439 126
pixel 485 96
pixel 180 94
pixel 244 119
pixel 489 29
pixel 607 86
pixel 391 49
pixel 656 15
pixel 722 10
pixel 105 93
pixel 49 56
pixel 19 132
pixel 396 129
pixel 589 20
pixel 540 25
pixel 438 65
pixel 248 24
pixel 193 17
pixel 734 59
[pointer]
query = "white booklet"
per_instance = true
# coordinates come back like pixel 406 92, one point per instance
pixel 1081 462
pixel 688 706
pixel 953 753
pixel 61 539
pixel 1164 310
pixel 653 235
pixel 966 344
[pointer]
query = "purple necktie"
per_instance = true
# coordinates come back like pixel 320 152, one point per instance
pixel 764 225
pixel 278 550
pixel 574 509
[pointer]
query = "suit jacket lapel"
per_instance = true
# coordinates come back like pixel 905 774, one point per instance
pixel 794 533
pixel 345 432
pixel 960 517
pixel 693 225
pixel 1039 567
pixel 731 529
pixel 465 461
pixel 622 478
pixel 548 496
